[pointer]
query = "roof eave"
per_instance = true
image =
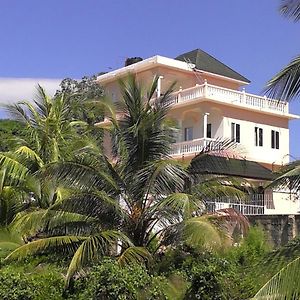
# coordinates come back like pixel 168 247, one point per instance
pixel 240 82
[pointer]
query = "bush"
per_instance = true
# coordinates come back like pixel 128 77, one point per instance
pixel 252 248
pixel 108 281
pixel 208 275
pixel 30 283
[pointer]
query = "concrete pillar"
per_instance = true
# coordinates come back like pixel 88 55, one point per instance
pixel 292 230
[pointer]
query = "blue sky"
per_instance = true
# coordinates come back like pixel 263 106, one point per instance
pixel 73 38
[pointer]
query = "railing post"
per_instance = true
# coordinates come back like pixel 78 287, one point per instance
pixel 205 89
pixel 244 96
pixel 265 101
pixel 179 95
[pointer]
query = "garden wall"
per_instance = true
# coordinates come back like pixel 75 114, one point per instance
pixel 279 228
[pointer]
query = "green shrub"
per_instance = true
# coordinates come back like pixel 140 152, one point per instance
pixel 208 275
pixel 108 281
pixel 28 282
pixel 252 248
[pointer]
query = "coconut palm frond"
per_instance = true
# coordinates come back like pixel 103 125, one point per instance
pixel 160 178
pixel 96 205
pixel 228 219
pixel 94 247
pixel 216 229
pixel 289 177
pixel 133 255
pixel 140 129
pixel 29 154
pixel 219 188
pixel 28 223
pixel 283 285
pixel 200 232
pixel 290 9
pixel 67 243
pixel 14 168
pixel 184 204
pixel 9 241
pixel 80 176
pixel 286 84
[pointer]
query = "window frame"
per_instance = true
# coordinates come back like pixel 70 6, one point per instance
pixel 235 132
pixel 275 144
pixel 258 135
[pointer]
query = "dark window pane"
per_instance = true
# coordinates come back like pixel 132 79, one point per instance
pixel 256 136
pixel 233 131
pixel 260 136
pixel 208 134
pixel 237 133
pixel 188 133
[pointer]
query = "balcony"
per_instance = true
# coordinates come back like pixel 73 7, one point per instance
pixel 232 97
pixel 190 147
pixel 254 204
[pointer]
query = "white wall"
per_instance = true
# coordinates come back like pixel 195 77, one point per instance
pixel 284 203
pixel 260 153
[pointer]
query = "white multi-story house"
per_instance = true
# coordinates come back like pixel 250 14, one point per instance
pixel 210 102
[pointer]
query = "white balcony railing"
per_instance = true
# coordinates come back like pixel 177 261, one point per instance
pixel 255 204
pixel 188 147
pixel 232 97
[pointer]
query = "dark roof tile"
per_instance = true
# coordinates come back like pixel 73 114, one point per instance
pixel 211 164
pixel 205 62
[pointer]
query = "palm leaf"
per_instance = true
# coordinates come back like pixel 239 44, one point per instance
pixel 94 247
pixel 133 255
pixel 286 84
pixel 67 243
pixel 199 232
pixel 283 285
pixel 288 178
pixel 16 169
pixel 290 9
pixel 183 204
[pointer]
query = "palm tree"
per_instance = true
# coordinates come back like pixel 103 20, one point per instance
pixel 136 200
pixel 286 84
pixel 51 136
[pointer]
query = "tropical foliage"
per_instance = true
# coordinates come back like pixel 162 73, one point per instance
pixel 130 206
pixel 285 84
pixel 63 195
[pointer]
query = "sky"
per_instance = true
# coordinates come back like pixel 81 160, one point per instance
pixel 56 39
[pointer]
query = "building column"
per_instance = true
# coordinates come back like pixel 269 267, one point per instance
pixel 180 133
pixel 158 89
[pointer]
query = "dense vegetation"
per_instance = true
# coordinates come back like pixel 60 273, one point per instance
pixel 78 224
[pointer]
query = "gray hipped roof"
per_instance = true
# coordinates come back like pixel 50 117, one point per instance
pixel 205 62
pixel 211 164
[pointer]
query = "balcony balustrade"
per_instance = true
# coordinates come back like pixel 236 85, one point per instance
pixel 190 147
pixel 255 204
pixel 233 97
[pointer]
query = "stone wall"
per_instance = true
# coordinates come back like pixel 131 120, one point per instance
pixel 279 229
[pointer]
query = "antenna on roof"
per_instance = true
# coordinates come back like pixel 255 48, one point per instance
pixel 193 68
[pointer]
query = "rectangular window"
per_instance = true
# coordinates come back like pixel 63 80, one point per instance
pixel 275 139
pixel 258 136
pixel 188 133
pixel 235 132
pixel 208 132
